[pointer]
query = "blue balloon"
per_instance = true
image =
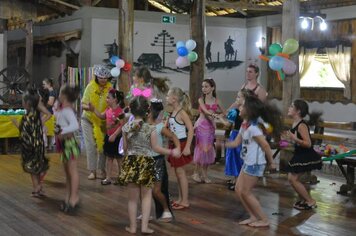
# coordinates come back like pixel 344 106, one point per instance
pixel 114 59
pixel 180 44
pixel 182 51
pixel 276 63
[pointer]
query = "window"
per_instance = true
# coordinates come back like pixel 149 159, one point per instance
pixel 320 73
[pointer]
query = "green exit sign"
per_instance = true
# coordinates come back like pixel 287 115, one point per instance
pixel 169 19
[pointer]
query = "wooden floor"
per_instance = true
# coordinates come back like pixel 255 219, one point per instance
pixel 214 209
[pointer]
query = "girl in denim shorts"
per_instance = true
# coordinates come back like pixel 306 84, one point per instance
pixel 256 154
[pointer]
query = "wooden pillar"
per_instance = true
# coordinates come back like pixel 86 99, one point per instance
pixel 29 49
pixel 290 29
pixel 125 42
pixel 197 68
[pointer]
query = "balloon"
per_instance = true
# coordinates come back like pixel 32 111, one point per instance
pixel 182 62
pixel 289 67
pixel 180 44
pixel 263 57
pixel 276 63
pixel 120 63
pixel 192 56
pixel 182 51
pixel 190 44
pixel 114 59
pixel 290 46
pixel 115 72
pixel 274 49
pixel 340 156
pixel 127 67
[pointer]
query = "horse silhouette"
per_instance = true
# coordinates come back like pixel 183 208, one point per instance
pixel 229 50
pixel 208 52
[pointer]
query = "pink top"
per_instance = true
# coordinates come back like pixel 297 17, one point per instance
pixel 211 107
pixel 111 118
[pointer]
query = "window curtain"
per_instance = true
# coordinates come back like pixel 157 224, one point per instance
pixel 306 57
pixel 340 60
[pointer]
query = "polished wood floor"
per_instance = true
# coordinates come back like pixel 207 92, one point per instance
pixel 214 209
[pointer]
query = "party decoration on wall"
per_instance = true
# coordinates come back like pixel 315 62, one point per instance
pixel 278 58
pixel 185 52
pixel 119 64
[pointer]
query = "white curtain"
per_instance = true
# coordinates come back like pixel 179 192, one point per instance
pixel 340 60
pixel 306 57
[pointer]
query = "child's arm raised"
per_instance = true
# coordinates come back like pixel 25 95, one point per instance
pixel 188 124
pixel 165 151
pixel 167 133
pixel 262 142
pixel 305 141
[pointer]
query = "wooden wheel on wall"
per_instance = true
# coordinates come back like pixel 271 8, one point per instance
pixel 13 82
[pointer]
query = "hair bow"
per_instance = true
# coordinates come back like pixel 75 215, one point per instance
pixel 138 92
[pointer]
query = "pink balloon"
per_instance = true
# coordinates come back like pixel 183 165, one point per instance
pixel 289 67
pixel 182 62
pixel 120 63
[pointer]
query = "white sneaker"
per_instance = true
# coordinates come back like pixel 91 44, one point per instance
pixel 196 178
pixel 166 217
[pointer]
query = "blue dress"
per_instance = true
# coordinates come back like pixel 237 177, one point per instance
pixel 233 161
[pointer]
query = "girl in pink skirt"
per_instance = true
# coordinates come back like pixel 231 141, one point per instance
pixel 204 152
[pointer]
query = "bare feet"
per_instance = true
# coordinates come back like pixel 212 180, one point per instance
pixel 131 231
pixel 247 221
pixel 260 223
pixel 147 231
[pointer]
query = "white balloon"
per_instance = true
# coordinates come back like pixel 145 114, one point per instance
pixel 190 44
pixel 115 72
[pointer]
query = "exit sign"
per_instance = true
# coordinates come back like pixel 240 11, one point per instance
pixel 169 19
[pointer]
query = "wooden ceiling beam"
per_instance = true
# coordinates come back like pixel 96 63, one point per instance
pixel 59 9
pixel 242 5
pixel 75 7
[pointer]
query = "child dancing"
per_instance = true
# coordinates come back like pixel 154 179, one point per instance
pixel 138 165
pixel 204 151
pixel 160 189
pixel 67 145
pixel 179 122
pixel 255 150
pixel 305 158
pixel 113 116
pixel 33 157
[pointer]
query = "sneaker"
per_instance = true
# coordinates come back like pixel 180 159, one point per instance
pixel 166 217
pixel 92 176
pixel 106 182
pixel 196 178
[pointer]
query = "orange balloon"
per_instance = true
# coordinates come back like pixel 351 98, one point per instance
pixel 285 55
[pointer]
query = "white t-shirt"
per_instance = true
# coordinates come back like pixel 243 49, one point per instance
pixel 67 120
pixel 251 152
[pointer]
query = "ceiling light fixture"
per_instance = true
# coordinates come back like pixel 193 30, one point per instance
pixel 305 20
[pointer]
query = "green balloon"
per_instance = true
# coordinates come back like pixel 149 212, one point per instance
pixel 274 49
pixel 290 46
pixel 192 56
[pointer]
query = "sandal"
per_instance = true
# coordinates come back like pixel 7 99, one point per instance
pixel 305 206
pixel 231 187
pixel 298 203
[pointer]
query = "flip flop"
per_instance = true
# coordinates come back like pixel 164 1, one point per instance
pixel 179 207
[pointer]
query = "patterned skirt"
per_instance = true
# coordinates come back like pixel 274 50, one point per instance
pixel 68 148
pixel 138 170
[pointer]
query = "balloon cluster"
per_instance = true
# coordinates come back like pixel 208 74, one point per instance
pixel 119 64
pixel 185 52
pixel 278 60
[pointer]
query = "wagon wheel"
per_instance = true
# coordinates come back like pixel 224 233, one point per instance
pixel 13 82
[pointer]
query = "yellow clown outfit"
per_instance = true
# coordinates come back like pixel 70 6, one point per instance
pixel 93 128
